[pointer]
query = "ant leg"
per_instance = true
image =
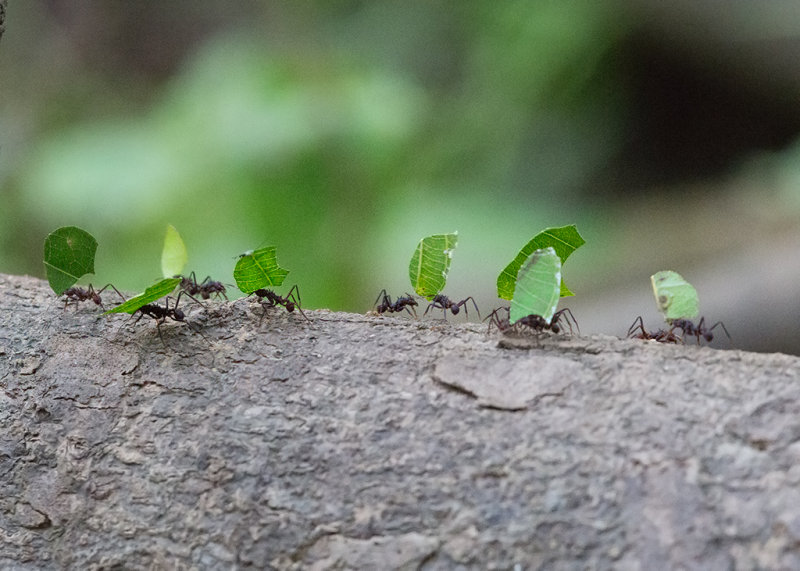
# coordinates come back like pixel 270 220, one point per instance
pixel 184 292
pixel 632 329
pixel 463 302
pixel 385 297
pixel 109 285
pixel 569 319
pixel 296 300
pixel 728 335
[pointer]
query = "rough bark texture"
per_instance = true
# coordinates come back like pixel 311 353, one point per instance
pixel 372 442
pixel 3 5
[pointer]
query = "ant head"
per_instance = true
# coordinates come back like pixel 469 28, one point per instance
pixel 290 307
pixel 455 309
pixel 178 314
pixel 708 336
pixel 555 328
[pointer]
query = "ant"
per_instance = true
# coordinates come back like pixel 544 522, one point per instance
pixel 536 322
pixel 660 335
pixel 444 303
pixel 386 305
pixel 206 288
pixel 699 330
pixel 290 302
pixel 160 314
pixel 77 294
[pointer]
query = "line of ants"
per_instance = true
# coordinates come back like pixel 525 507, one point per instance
pixel 498 319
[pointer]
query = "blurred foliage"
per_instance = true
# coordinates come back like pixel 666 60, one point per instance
pixel 340 135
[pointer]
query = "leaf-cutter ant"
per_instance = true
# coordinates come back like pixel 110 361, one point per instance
pixel 206 288
pixel 537 323
pixel 160 314
pixel 660 335
pixel 699 330
pixel 290 302
pixel 386 304
pixel 77 294
pixel 444 303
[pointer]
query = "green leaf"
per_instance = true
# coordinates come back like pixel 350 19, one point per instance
pixel 675 297
pixel 564 240
pixel 538 286
pixel 430 264
pixel 151 294
pixel 68 255
pixel 173 256
pixel 258 269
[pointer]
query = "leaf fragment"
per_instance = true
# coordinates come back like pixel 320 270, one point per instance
pixel 538 286
pixel 68 255
pixel 174 255
pixel 430 264
pixel 259 269
pixel 151 294
pixel 563 239
pixel 675 297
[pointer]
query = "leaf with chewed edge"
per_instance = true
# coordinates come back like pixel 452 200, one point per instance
pixel 174 255
pixel 68 255
pixel 563 239
pixel 151 294
pixel 431 263
pixel 675 297
pixel 258 269
pixel 538 286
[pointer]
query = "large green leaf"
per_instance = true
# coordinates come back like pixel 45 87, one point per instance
pixel 675 297
pixel 173 256
pixel 68 255
pixel 564 240
pixel 151 294
pixel 538 286
pixel 430 264
pixel 259 269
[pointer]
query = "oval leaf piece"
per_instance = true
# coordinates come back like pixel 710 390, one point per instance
pixel 431 263
pixel 675 297
pixel 538 286
pixel 173 256
pixel 151 294
pixel 68 255
pixel 258 269
pixel 564 240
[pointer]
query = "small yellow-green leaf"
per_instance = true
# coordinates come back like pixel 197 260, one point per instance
pixel 675 297
pixel 258 269
pixel 564 240
pixel 538 286
pixel 151 294
pixel 68 255
pixel 173 256
pixel 430 264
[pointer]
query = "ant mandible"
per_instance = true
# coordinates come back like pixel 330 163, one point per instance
pixel 77 294
pixel 290 302
pixel 206 288
pixel 444 303
pixel 699 330
pixel 386 304
pixel 660 335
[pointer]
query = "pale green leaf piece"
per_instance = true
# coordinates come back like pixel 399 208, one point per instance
pixel 538 286
pixel 675 297
pixel 174 255
pixel 563 239
pixel 431 263
pixel 151 294
pixel 68 255
pixel 258 269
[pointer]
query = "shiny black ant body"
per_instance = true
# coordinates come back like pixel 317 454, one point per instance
pixel 537 323
pixel 206 288
pixel 660 335
pixel 386 304
pixel 77 294
pixel 444 303
pixel 160 314
pixel 699 330
pixel 290 302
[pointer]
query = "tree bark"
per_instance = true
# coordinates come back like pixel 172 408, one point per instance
pixel 3 5
pixel 358 442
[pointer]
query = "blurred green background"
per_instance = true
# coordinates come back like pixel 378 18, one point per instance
pixel 342 132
